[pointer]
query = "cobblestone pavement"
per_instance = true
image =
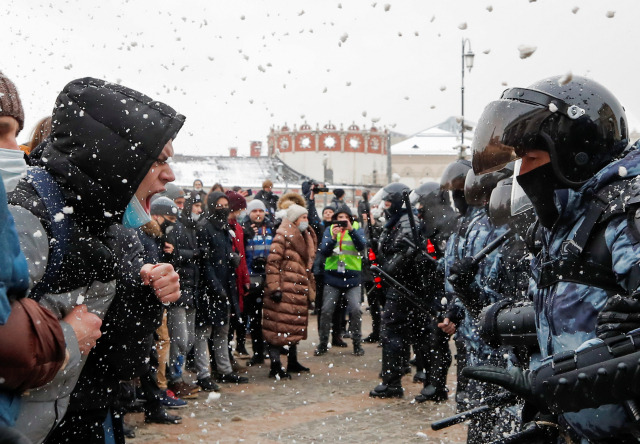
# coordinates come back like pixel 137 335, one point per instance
pixel 331 404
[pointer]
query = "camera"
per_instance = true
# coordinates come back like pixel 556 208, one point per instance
pixel 318 188
pixel 341 223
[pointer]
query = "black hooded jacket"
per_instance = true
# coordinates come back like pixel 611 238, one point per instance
pixel 186 254
pixel 217 292
pixel 104 139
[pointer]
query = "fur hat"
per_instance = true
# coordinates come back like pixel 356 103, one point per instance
pixel 256 204
pixel 10 104
pixel 236 201
pixel 290 197
pixel 294 211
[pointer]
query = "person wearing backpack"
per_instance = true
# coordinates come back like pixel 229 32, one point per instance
pixel 106 156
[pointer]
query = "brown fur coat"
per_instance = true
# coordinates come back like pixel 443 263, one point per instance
pixel 289 271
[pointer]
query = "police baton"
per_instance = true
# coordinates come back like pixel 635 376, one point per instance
pixel 476 258
pixel 500 400
pixel 535 432
pixel 492 246
pixel 412 220
pixel 411 296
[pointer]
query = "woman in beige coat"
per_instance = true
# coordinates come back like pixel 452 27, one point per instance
pixel 290 287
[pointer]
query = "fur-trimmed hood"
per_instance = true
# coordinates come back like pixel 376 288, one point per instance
pixel 286 200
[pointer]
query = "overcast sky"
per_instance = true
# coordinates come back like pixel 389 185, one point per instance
pixel 236 68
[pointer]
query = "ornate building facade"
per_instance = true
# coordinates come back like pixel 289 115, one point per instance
pixel 338 156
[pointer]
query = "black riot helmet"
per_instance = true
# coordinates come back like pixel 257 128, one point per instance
pixel 453 179
pixel 478 188
pixel 392 193
pixel 501 210
pixel 454 175
pixel 579 123
pixel 426 192
pixel 434 208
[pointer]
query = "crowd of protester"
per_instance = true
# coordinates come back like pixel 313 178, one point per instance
pixel 135 294
pixel 122 292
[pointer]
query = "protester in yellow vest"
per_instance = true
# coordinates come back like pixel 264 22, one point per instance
pixel 343 244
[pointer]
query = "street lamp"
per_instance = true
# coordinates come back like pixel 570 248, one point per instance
pixel 467 60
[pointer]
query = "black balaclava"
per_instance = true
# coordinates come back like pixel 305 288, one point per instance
pixel 219 215
pixel 459 201
pixel 539 185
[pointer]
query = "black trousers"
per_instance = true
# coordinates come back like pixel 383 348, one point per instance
pixel 402 325
pixel 86 427
pixel 253 303
pixel 434 356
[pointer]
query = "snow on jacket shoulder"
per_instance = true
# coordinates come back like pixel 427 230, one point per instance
pixel 104 139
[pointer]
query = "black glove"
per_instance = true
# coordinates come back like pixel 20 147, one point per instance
pixel 620 314
pixel 89 249
pixel 234 259
pixel 276 296
pixel 462 272
pixel 516 380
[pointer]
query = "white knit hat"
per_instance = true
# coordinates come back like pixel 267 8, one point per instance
pixel 256 204
pixel 295 211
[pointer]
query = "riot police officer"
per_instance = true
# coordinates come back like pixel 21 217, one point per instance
pixel 468 276
pixel 401 319
pixel 580 175
pixel 438 220
pixel 452 181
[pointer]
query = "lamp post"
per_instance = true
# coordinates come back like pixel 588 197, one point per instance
pixel 467 60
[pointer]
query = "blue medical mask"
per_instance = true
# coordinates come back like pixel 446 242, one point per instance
pixel 134 215
pixel 303 226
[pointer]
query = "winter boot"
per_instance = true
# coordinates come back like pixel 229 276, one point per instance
pixel 387 391
pixel 337 341
pixel 430 393
pixel 278 372
pixel 321 350
pixel 357 349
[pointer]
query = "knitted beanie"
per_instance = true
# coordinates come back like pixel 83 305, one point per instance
pixel 295 211
pixel 236 201
pixel 256 204
pixel 173 191
pixel 163 206
pixel 10 104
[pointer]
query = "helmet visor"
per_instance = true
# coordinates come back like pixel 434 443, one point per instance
pixel 506 130
pixel 414 197
pixel 500 202
pixel 454 175
pixel 520 202
pixel 376 199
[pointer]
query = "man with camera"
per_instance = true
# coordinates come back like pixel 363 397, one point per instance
pixel 342 244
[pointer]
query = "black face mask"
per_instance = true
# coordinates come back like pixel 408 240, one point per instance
pixel 539 185
pixel 166 225
pixel 220 214
pixel 459 202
